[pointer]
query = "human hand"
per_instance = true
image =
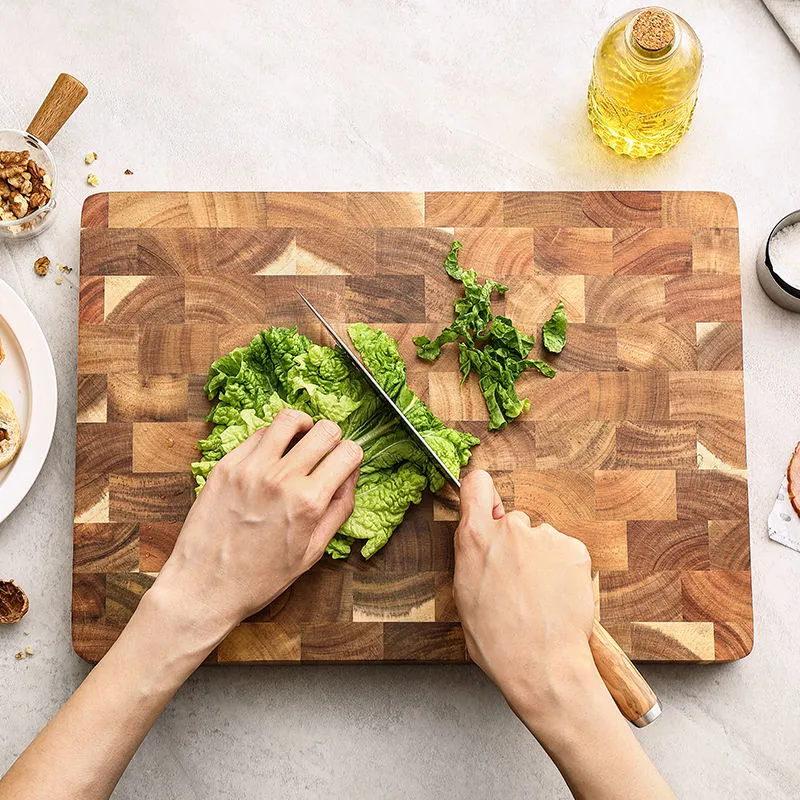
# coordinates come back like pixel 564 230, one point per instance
pixel 263 518
pixel 524 596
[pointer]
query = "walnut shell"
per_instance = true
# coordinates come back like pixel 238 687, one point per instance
pixel 13 602
pixel 793 476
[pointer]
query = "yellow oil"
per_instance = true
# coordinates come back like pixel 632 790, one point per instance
pixel 641 101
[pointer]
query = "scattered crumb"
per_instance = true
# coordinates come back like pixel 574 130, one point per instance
pixel 27 633
pixel 41 265
pixel 170 442
pixel 19 655
pixel 29 650
pixel 59 280
pixel 92 179
pixel 129 172
pixel 63 268
pixel 90 157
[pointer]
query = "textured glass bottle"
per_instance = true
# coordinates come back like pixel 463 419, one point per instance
pixel 644 82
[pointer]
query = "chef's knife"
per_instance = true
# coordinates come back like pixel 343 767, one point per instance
pixel 419 440
pixel 631 692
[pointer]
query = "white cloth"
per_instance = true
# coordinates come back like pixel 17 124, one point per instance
pixel 787 15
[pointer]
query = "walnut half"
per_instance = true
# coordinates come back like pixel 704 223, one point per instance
pixel 13 602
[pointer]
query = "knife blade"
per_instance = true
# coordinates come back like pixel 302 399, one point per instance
pixel 379 390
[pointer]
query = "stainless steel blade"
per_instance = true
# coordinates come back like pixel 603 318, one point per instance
pixel 411 430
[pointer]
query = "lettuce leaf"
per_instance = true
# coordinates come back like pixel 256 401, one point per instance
pixel 493 347
pixel 554 331
pixel 283 369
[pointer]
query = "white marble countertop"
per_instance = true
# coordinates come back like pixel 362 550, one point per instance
pixel 400 94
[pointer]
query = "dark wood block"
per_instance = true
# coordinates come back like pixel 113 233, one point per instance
pixel 91 301
pixel 341 641
pixel 104 548
pixel 176 349
pixel 103 447
pixel 249 251
pixel 729 544
pixel 156 540
pixel 428 641
pixel 152 497
pixel 336 251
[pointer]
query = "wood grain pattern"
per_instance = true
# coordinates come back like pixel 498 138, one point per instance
pixel 637 447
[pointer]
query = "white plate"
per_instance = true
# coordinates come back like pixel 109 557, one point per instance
pixel 28 377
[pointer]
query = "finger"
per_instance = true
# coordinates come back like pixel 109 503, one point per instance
pixel 477 497
pixel 498 510
pixel 312 448
pixel 519 518
pixel 335 468
pixel 243 450
pixel 337 513
pixel 287 424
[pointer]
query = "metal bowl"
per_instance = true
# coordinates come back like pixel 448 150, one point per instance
pixel 778 290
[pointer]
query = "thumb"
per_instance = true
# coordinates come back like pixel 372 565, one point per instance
pixel 479 497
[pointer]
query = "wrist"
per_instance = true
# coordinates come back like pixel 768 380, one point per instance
pixel 175 628
pixel 564 696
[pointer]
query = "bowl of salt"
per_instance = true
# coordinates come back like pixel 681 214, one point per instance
pixel 778 265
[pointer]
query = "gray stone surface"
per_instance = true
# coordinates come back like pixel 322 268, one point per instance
pixel 408 94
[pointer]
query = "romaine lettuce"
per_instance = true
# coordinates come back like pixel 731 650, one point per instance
pixel 281 368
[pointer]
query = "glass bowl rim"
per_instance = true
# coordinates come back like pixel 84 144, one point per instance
pixel 51 203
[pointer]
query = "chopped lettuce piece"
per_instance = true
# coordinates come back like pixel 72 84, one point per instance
pixel 554 331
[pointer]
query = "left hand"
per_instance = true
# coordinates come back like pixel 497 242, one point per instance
pixel 263 518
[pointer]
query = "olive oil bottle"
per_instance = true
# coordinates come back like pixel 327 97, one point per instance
pixel 644 82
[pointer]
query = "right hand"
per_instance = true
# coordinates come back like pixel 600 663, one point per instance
pixel 524 596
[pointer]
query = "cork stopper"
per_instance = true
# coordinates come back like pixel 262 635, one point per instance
pixel 653 29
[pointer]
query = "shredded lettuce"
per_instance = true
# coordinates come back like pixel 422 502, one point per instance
pixel 490 346
pixel 281 368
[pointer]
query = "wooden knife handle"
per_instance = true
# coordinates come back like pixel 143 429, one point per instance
pixel 631 692
pixel 65 96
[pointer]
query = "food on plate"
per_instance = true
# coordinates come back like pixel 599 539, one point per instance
pixel 793 477
pixel 13 602
pixel 24 185
pixel 10 437
pixel 41 265
pixel 490 346
pixel 281 368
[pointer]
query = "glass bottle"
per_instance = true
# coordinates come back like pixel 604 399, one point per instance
pixel 644 82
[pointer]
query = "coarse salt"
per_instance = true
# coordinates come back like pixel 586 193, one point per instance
pixel 784 253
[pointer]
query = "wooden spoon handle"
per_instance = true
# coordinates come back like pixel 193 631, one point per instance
pixel 65 96
pixel 631 692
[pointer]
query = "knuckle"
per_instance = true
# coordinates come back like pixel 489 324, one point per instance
pixel 309 503
pixel 518 518
pixel 351 450
pixel 328 430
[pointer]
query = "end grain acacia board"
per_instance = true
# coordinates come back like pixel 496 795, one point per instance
pixel 637 447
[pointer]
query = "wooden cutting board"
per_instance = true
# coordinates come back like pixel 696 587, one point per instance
pixel 637 447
